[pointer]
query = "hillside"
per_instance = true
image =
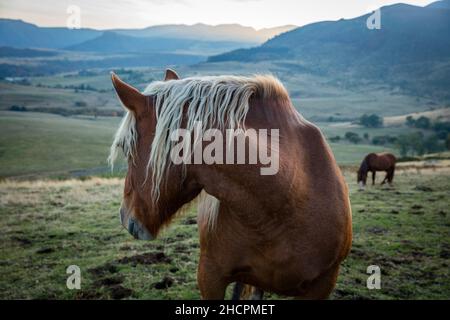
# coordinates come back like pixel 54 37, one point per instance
pixel 444 4
pixel 20 34
pixel 411 51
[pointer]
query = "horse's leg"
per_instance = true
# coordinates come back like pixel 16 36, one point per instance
pixel 211 283
pixel 373 177
pixel 247 292
pixel 391 175
pixel 257 294
pixel 237 291
pixel 385 178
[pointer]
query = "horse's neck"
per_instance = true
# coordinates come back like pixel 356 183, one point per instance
pixel 238 184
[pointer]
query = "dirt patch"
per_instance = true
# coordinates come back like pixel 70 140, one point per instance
pixel 104 269
pixel 181 248
pixel 125 248
pixel 165 283
pixel 88 295
pixel 445 252
pixel 146 258
pixel 109 281
pixel 189 221
pixel 22 240
pixel 377 230
pixel 423 188
pixel 45 250
pixel 119 292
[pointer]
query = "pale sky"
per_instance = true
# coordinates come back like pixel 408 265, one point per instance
pixel 108 14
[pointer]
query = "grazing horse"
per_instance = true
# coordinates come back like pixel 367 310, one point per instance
pixel 285 232
pixel 376 162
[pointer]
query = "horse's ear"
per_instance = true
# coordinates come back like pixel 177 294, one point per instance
pixel 130 97
pixel 171 75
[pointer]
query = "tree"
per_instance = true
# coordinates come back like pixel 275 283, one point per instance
pixel 423 123
pixel 417 143
pixel 404 145
pixel 413 143
pixel 352 137
pixel 410 122
pixel 371 121
pixel 432 144
pixel 335 139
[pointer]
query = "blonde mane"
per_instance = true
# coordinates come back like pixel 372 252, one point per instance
pixel 220 102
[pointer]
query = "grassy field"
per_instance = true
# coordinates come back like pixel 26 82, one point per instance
pixel 48 225
pixel 38 144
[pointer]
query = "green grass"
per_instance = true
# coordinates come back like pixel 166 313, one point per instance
pixel 52 145
pixel 352 154
pixel 45 226
pixel 33 143
pixel 33 97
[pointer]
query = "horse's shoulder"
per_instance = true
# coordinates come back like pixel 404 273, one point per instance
pixel 309 131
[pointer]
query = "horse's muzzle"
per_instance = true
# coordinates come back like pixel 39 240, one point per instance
pixel 361 185
pixel 134 227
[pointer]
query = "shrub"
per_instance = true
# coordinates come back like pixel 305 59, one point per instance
pixel 371 121
pixel 353 137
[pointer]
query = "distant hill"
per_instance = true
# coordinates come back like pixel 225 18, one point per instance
pixel 112 42
pixel 20 34
pixel 444 4
pixel 25 53
pixel 410 51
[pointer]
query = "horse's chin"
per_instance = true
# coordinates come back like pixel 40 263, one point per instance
pixel 138 231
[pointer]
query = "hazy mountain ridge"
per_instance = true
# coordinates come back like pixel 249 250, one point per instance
pixel 200 31
pixel 20 34
pixel 113 42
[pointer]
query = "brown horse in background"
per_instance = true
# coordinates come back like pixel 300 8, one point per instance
pixel 285 233
pixel 377 162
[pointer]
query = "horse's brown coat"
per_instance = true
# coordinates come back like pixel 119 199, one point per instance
pixel 377 162
pixel 286 233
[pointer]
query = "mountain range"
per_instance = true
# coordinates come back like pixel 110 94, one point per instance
pixel 411 50
pixel 20 34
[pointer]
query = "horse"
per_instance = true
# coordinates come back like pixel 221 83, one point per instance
pixel 376 162
pixel 286 232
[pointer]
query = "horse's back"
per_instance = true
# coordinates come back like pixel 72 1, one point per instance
pixel 380 161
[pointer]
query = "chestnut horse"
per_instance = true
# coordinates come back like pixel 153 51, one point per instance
pixel 285 233
pixel 376 162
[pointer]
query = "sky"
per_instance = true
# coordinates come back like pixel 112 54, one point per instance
pixel 108 14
